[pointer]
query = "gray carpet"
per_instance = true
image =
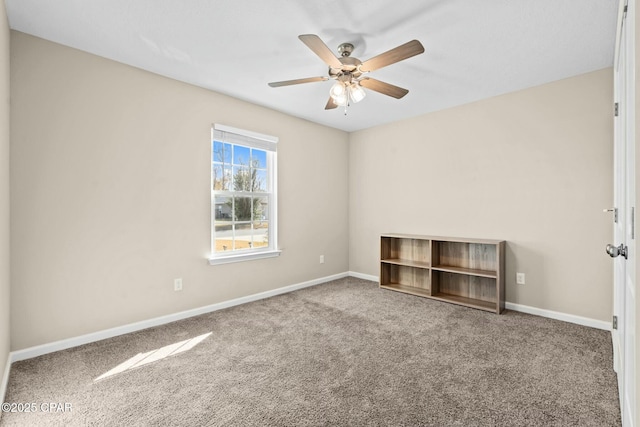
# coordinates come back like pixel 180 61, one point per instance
pixel 344 353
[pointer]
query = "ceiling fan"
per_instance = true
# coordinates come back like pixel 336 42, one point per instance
pixel 350 73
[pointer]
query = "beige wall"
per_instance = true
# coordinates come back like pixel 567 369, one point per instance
pixel 110 201
pixel 110 173
pixel 532 167
pixel 4 190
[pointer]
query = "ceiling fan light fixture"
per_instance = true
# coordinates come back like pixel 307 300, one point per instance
pixel 341 100
pixel 343 92
pixel 338 90
pixel 356 92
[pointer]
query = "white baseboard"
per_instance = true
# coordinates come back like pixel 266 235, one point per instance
pixel 584 321
pixel 5 379
pixel 364 276
pixel 39 350
pixel 579 320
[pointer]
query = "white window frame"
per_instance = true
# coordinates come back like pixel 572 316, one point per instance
pixel 263 142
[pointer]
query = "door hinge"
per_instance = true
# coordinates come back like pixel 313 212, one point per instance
pixel 615 213
pixel 615 322
pixel 615 109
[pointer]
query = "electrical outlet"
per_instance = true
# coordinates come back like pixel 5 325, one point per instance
pixel 520 278
pixel 177 284
pixel 321 259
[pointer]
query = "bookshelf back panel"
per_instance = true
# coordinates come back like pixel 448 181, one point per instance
pixel 407 249
pixel 476 256
pixel 408 276
pixel 480 288
pixel 415 250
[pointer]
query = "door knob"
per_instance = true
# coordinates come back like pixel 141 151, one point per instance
pixel 614 251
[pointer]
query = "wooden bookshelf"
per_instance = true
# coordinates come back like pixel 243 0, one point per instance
pixel 467 272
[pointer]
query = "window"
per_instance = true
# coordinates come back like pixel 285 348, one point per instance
pixel 243 195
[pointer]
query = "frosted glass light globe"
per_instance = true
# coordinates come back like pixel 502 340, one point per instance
pixel 338 90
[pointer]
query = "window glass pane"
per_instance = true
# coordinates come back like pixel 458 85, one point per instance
pixel 223 224
pixel 260 210
pixel 259 158
pixel 241 155
pixel 221 177
pixel 241 178
pixel 249 179
pixel 261 222
pixel 261 235
pixel 224 238
pixel 223 209
pixel 243 236
pixel 259 180
pixel 221 152
pixel 243 208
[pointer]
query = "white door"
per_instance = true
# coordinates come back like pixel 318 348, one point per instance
pixel 624 249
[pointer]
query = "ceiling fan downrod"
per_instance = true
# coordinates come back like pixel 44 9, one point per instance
pixel 345 49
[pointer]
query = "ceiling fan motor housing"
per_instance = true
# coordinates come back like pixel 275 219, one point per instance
pixel 349 66
pixel 345 49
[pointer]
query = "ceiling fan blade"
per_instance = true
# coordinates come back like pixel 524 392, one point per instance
pixel 298 81
pixel 330 104
pixel 397 54
pixel 383 88
pixel 318 47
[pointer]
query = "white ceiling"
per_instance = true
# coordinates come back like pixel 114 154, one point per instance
pixel 473 49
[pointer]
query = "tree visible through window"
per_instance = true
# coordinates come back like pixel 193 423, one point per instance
pixel 243 182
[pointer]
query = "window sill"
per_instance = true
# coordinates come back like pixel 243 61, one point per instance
pixel 244 257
